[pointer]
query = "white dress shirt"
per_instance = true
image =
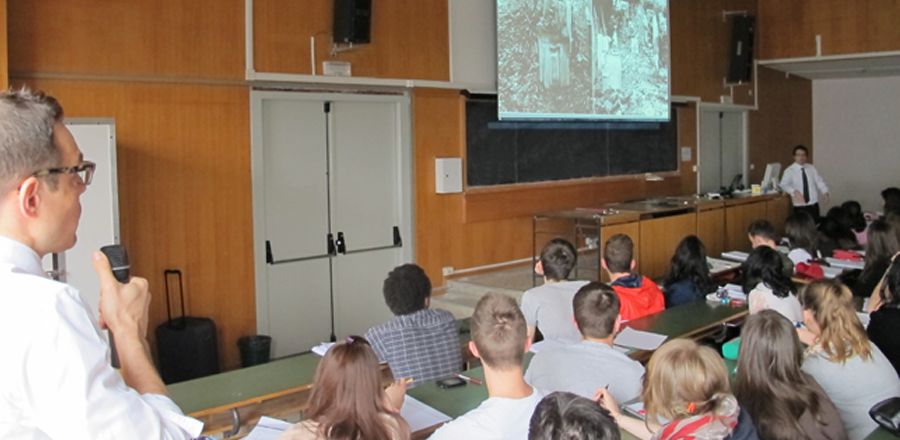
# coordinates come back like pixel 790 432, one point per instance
pixel 56 381
pixel 792 180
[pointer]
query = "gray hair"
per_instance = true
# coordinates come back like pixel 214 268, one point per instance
pixel 26 134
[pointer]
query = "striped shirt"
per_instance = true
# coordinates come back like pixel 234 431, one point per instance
pixel 423 345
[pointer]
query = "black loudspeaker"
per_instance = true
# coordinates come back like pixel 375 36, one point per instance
pixel 352 21
pixel 741 49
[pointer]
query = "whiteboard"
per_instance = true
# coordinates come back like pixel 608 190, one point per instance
pixel 99 224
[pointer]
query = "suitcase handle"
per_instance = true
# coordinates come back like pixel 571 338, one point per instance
pixel 183 320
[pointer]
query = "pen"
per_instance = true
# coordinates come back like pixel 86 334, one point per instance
pixel 471 380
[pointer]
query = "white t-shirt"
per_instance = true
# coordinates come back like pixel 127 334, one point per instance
pixel 497 418
pixel 762 298
pixel 549 308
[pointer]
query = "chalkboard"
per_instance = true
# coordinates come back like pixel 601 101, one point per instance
pixel 518 152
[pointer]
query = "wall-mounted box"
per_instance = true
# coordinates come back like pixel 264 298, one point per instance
pixel 448 175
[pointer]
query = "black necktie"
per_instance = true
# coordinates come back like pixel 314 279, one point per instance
pixel 805 186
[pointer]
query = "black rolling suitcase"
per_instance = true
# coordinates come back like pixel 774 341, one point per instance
pixel 186 346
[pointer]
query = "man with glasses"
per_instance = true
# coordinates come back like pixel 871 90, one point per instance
pixel 55 377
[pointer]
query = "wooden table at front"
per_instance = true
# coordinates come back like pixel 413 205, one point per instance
pixel 280 388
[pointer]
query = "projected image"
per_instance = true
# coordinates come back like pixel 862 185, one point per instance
pixel 583 59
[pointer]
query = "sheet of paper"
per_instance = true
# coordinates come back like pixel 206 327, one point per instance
pixel 717 265
pixel 834 262
pixel 831 272
pixel 267 429
pixel 419 415
pixel 640 340
pixel 736 256
pixel 322 348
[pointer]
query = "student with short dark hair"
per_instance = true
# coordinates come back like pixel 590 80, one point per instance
pixel 851 369
pixel 762 233
pixel 638 295
pixel 549 307
pixel 884 321
pixel 348 401
pixel 767 287
pixel 562 415
pixel 419 342
pixel 890 200
pixel 592 363
pixel 800 230
pixel 499 339
pixel 804 184
pixel 687 385
pixel 835 233
pixel 784 402
pixel 688 278
pixel 858 222
pixel 884 242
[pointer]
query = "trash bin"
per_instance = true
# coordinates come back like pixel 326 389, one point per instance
pixel 254 349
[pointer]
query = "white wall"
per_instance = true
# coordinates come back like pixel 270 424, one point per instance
pixel 856 134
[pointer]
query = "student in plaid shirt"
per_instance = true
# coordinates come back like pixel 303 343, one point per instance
pixel 418 343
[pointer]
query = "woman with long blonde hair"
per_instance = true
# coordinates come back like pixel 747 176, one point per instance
pixel 348 401
pixel 853 372
pixel 686 384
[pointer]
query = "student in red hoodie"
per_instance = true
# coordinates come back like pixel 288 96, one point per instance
pixel 638 295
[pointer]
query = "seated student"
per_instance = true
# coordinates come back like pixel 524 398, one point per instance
pixel 835 233
pixel 767 287
pixel 499 339
pixel 884 323
pixel 762 233
pixel 549 306
pixel 783 401
pixel 890 201
pixel 884 242
pixel 562 415
pixel 687 385
pixel 858 222
pixel 593 363
pixel 801 232
pixel 347 400
pixel 688 278
pixel 638 295
pixel 418 343
pixel 853 372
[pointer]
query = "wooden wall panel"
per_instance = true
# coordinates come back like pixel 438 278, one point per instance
pixel 700 39
pixel 777 211
pixel 789 29
pixel 737 220
pixel 711 231
pixel 4 65
pixel 163 38
pixel 409 38
pixel 784 119
pixel 659 238
pixel 184 192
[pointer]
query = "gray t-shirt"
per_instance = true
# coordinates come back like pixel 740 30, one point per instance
pixel 549 308
pixel 583 368
pixel 855 386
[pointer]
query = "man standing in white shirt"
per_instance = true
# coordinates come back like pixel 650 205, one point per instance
pixel 499 340
pixel 55 378
pixel 802 181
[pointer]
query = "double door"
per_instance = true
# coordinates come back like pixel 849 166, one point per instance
pixel 332 212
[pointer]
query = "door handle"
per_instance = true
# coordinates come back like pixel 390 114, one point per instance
pixel 330 244
pixel 341 243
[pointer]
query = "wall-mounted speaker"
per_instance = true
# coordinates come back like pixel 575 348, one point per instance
pixel 352 21
pixel 741 50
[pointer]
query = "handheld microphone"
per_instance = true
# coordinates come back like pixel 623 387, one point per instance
pixel 118 262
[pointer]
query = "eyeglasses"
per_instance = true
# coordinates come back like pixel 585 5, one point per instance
pixel 84 171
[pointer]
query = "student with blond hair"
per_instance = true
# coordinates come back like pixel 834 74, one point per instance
pixel 348 401
pixel 687 385
pixel 783 401
pixel 851 369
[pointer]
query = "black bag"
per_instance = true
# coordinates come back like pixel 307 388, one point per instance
pixel 887 414
pixel 186 346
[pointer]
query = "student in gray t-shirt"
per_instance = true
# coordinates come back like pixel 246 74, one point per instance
pixel 593 363
pixel 549 307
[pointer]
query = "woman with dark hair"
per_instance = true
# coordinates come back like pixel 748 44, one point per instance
pixel 858 222
pixel 783 401
pixel 348 401
pixel 800 230
pixel 563 415
pixel 884 322
pixel 852 370
pixel 766 285
pixel 891 200
pixel 688 278
pixel 883 244
pixel 835 232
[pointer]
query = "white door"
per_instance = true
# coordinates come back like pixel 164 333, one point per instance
pixel 732 147
pixel 710 155
pixel 722 149
pixel 295 199
pixel 366 148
